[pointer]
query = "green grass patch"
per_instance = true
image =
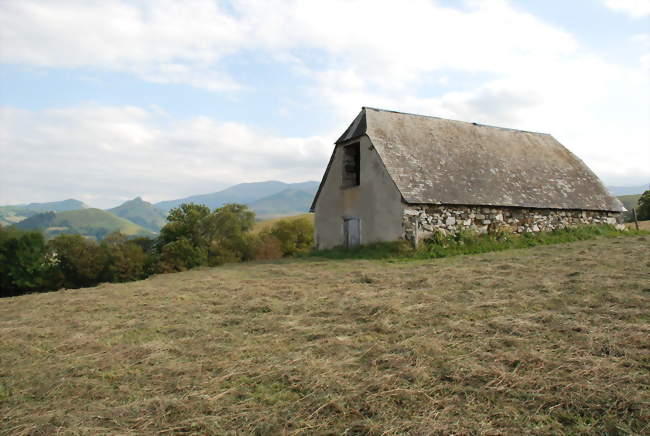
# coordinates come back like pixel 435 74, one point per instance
pixel 467 242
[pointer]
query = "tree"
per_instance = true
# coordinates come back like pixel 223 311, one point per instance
pixel 195 236
pixel 231 223
pixel 80 262
pixel 23 261
pixel 144 242
pixel 126 260
pixel 643 211
pixel 188 221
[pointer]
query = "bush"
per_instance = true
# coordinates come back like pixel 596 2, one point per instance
pixel 295 236
pixel 267 247
pixel 180 255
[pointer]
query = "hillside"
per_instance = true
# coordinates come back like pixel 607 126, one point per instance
pixel 630 202
pixel 244 193
pixel 142 213
pixel 285 203
pixel 547 340
pixel 95 223
pixel 14 214
pixel 266 224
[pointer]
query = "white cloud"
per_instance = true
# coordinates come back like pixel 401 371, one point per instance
pixel 105 155
pixel 633 8
pixel 393 46
pixel 527 74
pixel 173 41
pixel 165 41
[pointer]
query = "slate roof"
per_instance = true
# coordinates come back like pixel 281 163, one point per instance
pixel 438 161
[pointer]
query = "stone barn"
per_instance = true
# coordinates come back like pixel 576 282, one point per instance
pixel 396 176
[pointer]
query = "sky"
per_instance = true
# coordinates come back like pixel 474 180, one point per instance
pixel 107 100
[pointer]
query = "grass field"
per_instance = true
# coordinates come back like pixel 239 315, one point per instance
pixel 546 340
pixel 643 225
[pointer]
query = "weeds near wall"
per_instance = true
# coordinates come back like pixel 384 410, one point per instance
pixel 467 242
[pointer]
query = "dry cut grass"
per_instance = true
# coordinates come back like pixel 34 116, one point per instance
pixel 643 225
pixel 548 340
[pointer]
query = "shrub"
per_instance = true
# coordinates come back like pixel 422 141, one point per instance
pixel 295 236
pixel 267 247
pixel 180 255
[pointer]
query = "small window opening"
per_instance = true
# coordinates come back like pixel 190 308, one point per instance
pixel 351 165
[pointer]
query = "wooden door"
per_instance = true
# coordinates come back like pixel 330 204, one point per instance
pixel 352 231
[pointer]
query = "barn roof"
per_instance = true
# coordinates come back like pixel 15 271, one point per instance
pixel 438 161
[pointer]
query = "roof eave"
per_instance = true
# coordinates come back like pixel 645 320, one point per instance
pixel 524 206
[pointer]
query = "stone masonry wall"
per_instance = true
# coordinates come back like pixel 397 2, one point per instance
pixel 450 219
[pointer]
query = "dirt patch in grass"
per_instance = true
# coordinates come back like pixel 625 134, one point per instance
pixel 547 340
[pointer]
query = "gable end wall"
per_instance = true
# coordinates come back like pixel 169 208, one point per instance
pixel 376 201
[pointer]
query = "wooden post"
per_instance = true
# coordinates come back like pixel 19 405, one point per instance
pixel 636 221
pixel 416 235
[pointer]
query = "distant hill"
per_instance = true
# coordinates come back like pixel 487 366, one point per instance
pixel 142 213
pixel 245 193
pixel 285 203
pixel 16 213
pixel 57 206
pixel 94 223
pixel 628 190
pixel 630 202
pixel 269 199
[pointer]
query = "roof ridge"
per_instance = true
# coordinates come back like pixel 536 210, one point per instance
pixel 456 121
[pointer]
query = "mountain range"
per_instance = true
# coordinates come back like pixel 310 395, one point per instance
pixel 14 214
pixel 244 193
pixel 270 199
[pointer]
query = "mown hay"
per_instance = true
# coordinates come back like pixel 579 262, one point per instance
pixel 546 340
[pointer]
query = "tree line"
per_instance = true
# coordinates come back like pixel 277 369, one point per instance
pixel 193 236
